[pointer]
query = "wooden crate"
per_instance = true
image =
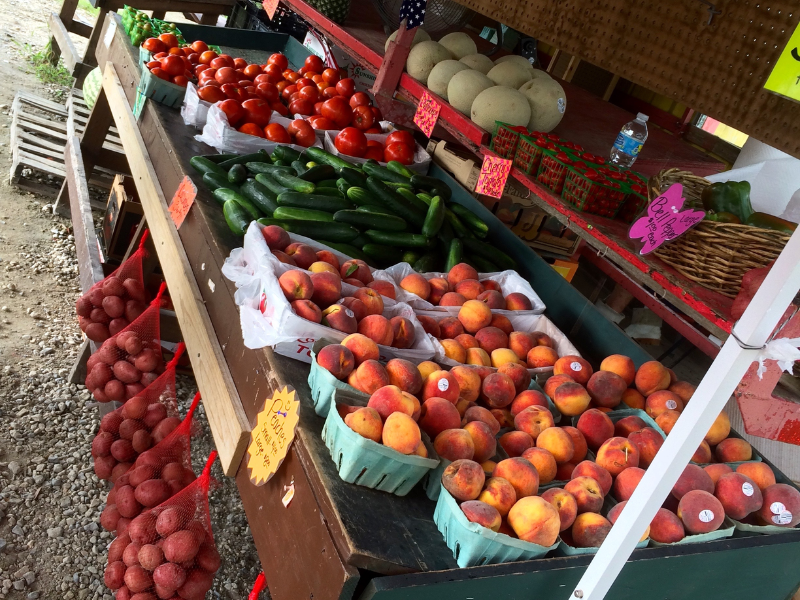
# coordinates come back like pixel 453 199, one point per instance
pixel 123 214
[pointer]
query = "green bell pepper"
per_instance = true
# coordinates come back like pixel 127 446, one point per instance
pixel 728 197
pixel 722 217
pixel 765 221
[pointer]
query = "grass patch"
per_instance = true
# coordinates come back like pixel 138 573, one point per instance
pixel 46 71
pixel 85 5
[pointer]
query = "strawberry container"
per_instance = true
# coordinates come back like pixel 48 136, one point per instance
pixel 592 192
pixel 553 169
pixel 634 203
pixel 505 139
pixel 528 154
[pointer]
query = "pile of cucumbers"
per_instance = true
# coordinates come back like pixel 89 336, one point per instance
pixel 382 215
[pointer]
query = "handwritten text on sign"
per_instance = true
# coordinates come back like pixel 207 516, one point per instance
pixel 493 177
pixel 785 76
pixel 272 435
pixel 182 201
pixel 427 114
pixel 664 220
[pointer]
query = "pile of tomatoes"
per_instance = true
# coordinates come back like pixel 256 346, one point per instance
pixel 168 61
pixel 399 146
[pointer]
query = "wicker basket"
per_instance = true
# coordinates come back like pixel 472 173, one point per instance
pixel 715 255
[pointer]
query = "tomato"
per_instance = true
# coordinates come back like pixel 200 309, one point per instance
pixel 187 63
pixel 291 76
pixel 377 112
pixel 267 91
pixel 351 141
pixel 360 99
pixel 207 56
pixel 212 94
pixel 169 39
pixel 234 91
pixel 252 129
pixel 310 93
pixel 330 92
pixel 302 133
pixel 252 71
pixel 208 75
pixel 173 65
pixel 275 71
pixel 276 132
pixel 154 45
pixel 403 137
pixel 239 63
pixel 346 87
pixel 402 153
pixel 317 78
pixel 209 83
pixel 338 110
pixel 200 68
pixel 374 144
pixel 282 85
pixel 226 75
pixel 303 82
pixel 258 111
pixel 321 87
pixel 194 58
pixel 280 108
pixel 233 110
pixel 280 60
pixel 199 46
pixel 363 117
pixel 314 63
pixel 153 64
pixel 293 97
pixel 301 107
pixel 159 55
pixel 180 80
pixel 318 108
pixel 288 91
pixel 330 76
pixel 374 153
pixel 223 60
pixel 244 83
pixel 321 123
pixel 303 71
pixel 160 73
pixel 375 130
pixel 176 51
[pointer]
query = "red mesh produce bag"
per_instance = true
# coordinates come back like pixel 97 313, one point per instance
pixel 138 423
pixel 158 474
pixel 129 361
pixel 112 304
pixel 173 553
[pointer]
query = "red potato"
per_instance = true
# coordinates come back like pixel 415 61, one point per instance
pixel 153 492
pixel 150 556
pixel 138 579
pixel 134 289
pixel 114 306
pixel 104 466
pixel 135 408
pixel 147 360
pixel 109 518
pixel 111 496
pixel 131 555
pixel 123 593
pixel 142 440
pixel 168 522
pixel 123 450
pixel 117 325
pixel 164 428
pixel 111 422
pixel 169 577
pixel 122 480
pixel 143 529
pixel 156 413
pixel 126 372
pixel 140 474
pixel 175 486
pixel 99 375
pixel 98 315
pixel 101 444
pixel 96 296
pixel 133 309
pixel 196 585
pixel 93 360
pixel 133 345
pixel 172 470
pixel 123 338
pixel 114 576
pixel 148 378
pixel 114 390
pixel 208 558
pixel 133 389
pixel 128 427
pixel 108 353
pixel 117 547
pixel 122 526
pixel 127 504
pixel 199 531
pixel 142 596
pixel 100 396
pixel 181 546
pixel 112 286
pixel 119 470
pixel 83 307
pixel 83 323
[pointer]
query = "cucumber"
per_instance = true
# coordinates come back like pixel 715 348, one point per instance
pixel 269 183
pixel 269 221
pixel 321 156
pixel 236 217
pixel 394 202
pixel 282 163
pixel 215 180
pixel 225 194
pixel 446 235
pixel 294 183
pixel 420 205
pixel 481 264
pixel 411 256
pixel 349 249
pixel 401 240
pixel 269 168
pixel 459 229
pixel 364 220
pixel 203 165
pixel 242 159
pixel 319 230
pixel 332 192
pixel 362 197
pixel 302 214
pixel 454 255
pixel 470 219
pixel 431 183
pixel 342 185
pixel 425 198
pixel 285 153
pixel 219 158
pixel 400 169
pixel 489 252
pixel 399 186
pixel 326 183
pixel 313 201
pixel 353 177
pixel 434 218
pixel 373 169
pixel 259 195
pixel 237 174
pixel 360 240
pixel 318 173
pixel 299 167
pixel 432 261
pixel 374 210
pixel 383 254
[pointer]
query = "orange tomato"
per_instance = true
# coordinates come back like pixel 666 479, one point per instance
pixel 252 129
pixel 291 76
pixel 252 71
pixel 199 46
pixel 331 76
pixel 153 64
pixel 330 92
pixel 317 78
pixel 160 73
pixel 276 132
pixel 280 60
pixel 322 86
pixel 239 63
pixel 281 85
pixel 154 45
pixel 176 51
pixel 169 39
pixel 211 93
pixel 207 56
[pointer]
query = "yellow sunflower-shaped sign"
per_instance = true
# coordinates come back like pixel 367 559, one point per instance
pixel 272 435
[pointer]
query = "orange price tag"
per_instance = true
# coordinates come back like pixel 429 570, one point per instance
pixel 427 114
pixel 493 177
pixel 270 6
pixel 271 437
pixel 182 201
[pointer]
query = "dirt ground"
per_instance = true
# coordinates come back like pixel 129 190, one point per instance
pixel 51 544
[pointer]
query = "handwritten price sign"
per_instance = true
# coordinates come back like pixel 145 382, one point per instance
pixel 182 201
pixel 664 220
pixel 493 177
pixel 270 6
pixel 427 114
pixel 272 435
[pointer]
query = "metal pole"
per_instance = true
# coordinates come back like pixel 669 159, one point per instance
pixel 753 330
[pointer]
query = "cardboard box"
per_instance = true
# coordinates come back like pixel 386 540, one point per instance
pixel 123 214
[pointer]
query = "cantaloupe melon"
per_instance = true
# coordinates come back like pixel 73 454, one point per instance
pixel 517 60
pixel 509 74
pixel 420 35
pixel 547 102
pixel 441 75
pixel 423 57
pixel 539 74
pixel 464 87
pixel 459 44
pixel 479 62
pixel 500 103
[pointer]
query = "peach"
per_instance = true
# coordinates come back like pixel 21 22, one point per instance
pixel 483 371
pixel 692 478
pixel 469 382
pixel 527 398
pixel 587 493
pixel 520 473
pixel 666 527
pixel 535 520
pixel 733 450
pixel 596 426
pixel 702 455
pixel 627 425
pixel 633 399
pixel 620 365
pixel 667 419
pixel 521 343
pixel 482 439
pixel 389 399
pixel 302 254
pixel 452 299
pixel 564 472
pixel 502 323
pixel 719 430
pixel 651 377
pixel 503 417
pixel 454 444
pixel 615 512
pixel 366 422
pixel 337 359
pixel 518 301
pixel 470 289
pixel 673 378
pixel 491 298
pixel 488 467
pixel 454 351
pixel 490 284
pixel 474 315
pixel 464 479
pixel 515 443
pixel 438 288
pixel 606 388
pixel 307 310
pixel 377 328
pixel 759 472
pixel 574 366
pixel 700 512
pixel 370 376
pixel 467 341
pixel 354 282
pixel 781 506
pixel 384 288
pixel 450 328
pixel 617 454
pixel 404 374
pixel 357 306
pixel 505 529
pixel 589 530
pixel 459 273
pixel 462 405
pixel 430 325
pixel 571 399
pixel 284 258
pixel 553 383
pixel 356 269
pixel 340 318
pixel 497 390
pixel 324 267
pixel 518 373
pixel 276 237
pixel 533 421
pixel 541 356
pixel 648 442
pixel 544 462
pixel 542 339
pixel 403 331
pixel 717 470
pixel 421 450
pixel 362 347
pixel 738 494
pixel 330 258
pixel 626 482
pixel 660 401
pixel 684 390
pixel 558 442
pixel 477 356
pixel 427 367
pixel 371 299
pixel 417 407
pixel 478 413
pixel 416 284
pixel 579 444
pixel 564 503
pixel 296 285
pixel 503 357
pixel 491 338
pixel 401 433
pixel 482 513
pixel 441 384
pixel 500 494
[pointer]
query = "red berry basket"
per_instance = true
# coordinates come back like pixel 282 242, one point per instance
pixel 529 153
pixel 633 204
pixel 594 192
pixel 505 139
pixel 553 169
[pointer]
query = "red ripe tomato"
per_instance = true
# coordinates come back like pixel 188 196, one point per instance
pixel 154 45
pixel 375 130
pixel 318 108
pixel 403 137
pixel 211 93
pixel 159 55
pixel 402 153
pixel 173 65
pixel 180 80
pixel 153 64
pixel 291 76
pixel 310 93
pixel 222 60
pixel 239 63
pixel 208 76
pixel 346 87
pixel 294 126
pixel 314 63
pixel 302 133
pixel 360 99
pixel 322 86
pixel 374 144
pixel 252 71
pixel 301 107
pixel 303 82
pixel 258 111
pixel 268 92
pixel 317 78
pixel 199 46
pixel 200 68
pixel 176 51
pixel 330 92
pixel 209 83
pixel 282 85
pixel 194 58
pixel 288 91
pixel 294 97
pixel 251 91
pixel 338 110
pixel 233 110
pixel 275 71
pixel 280 108
pixel 169 39
pixel 321 123
pixel 330 76
pixel 226 75
pixel 234 92
pixel 363 117
pixel 280 60
pixel 374 153
pixel 160 73
pixel 302 71
pixel 252 129
pixel 186 63
pixel 207 56
pixel 377 112
pixel 275 132
pixel 351 141
pixel 244 83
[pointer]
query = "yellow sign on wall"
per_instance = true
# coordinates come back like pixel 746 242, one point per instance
pixel 272 435
pixel 785 76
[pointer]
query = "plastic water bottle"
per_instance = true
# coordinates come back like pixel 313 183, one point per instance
pixel 629 142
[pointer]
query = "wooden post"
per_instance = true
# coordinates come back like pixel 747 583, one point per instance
pixel 66 14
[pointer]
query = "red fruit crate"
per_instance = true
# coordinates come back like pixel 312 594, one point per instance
pixel 594 193
pixel 553 169
pixel 528 155
pixel 633 204
pixel 505 139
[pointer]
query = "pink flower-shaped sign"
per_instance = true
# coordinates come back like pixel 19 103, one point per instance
pixel 664 220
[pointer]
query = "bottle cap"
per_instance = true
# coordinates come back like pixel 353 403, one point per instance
pixel 642 117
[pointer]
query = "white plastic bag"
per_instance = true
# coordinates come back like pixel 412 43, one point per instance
pixel 194 110
pixel 422 160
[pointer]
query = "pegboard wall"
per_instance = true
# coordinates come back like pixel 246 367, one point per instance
pixel 669 47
